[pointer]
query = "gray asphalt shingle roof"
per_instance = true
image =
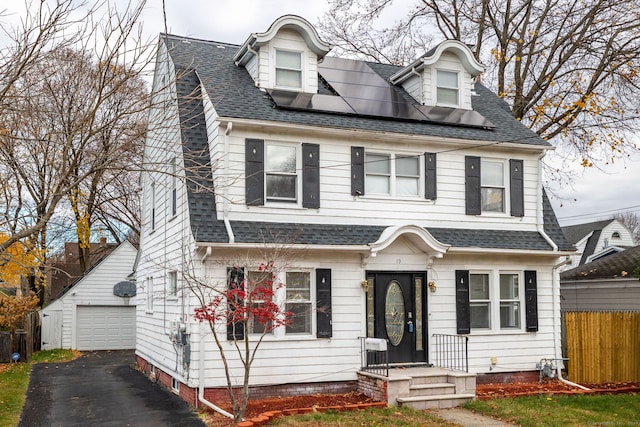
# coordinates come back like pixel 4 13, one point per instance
pixel 234 95
pixel 622 264
pixel 575 233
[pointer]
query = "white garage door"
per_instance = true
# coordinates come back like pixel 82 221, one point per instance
pixel 106 327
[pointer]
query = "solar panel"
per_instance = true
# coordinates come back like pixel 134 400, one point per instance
pixel 363 92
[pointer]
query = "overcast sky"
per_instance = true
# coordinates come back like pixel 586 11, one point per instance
pixel 596 193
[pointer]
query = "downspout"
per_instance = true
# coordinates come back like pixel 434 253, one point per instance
pixel 201 378
pixel 201 360
pixel 555 280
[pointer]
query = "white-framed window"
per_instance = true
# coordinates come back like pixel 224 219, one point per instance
pixel 495 300
pixel 172 278
pixel 392 174
pixel 492 183
pixel 510 303
pixel 288 69
pixel 153 205
pixel 480 300
pixel 298 302
pixel 255 280
pixel 615 235
pixel 281 173
pixel 447 88
pixel 149 294
pixel 175 385
pixel 174 186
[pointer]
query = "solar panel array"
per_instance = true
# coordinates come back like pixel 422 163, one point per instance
pixel 361 91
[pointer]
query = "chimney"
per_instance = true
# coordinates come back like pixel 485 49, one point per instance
pixel 103 241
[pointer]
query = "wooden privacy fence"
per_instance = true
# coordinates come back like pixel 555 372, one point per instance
pixel 22 341
pixel 603 346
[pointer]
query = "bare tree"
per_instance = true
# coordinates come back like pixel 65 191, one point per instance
pixel 568 68
pixel 72 119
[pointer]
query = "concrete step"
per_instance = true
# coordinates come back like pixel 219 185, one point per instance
pixel 432 389
pixel 436 378
pixel 438 401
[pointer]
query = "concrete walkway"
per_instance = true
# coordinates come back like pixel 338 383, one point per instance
pixel 466 418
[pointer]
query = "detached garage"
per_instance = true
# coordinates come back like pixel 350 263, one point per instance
pixel 95 313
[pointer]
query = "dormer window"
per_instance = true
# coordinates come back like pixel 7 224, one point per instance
pixel 288 69
pixel 447 88
pixel 615 235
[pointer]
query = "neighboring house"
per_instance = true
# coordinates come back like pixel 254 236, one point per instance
pixel 595 240
pixel 90 315
pixel 412 196
pixel 65 269
pixel 607 284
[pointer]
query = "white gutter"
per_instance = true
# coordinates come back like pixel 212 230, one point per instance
pixel 555 287
pixel 225 198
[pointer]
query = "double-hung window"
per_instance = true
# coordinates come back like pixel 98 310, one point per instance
pixel 259 287
pixel 447 91
pixel 173 283
pixel 174 187
pixel 298 302
pixel 392 174
pixel 492 186
pixel 495 301
pixel 281 173
pixel 510 313
pixel 288 69
pixel 480 301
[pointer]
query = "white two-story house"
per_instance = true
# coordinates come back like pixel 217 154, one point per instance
pixel 411 196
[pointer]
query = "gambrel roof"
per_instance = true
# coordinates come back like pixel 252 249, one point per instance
pixel 234 95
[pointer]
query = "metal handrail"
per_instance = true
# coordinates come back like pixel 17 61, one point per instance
pixel 451 351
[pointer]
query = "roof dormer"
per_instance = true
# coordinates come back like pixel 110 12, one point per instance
pixel 442 77
pixel 285 56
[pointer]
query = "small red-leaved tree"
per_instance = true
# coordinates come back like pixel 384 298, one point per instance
pixel 248 306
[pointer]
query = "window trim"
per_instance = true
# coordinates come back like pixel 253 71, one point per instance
pixel 504 187
pixel 495 300
pixel 438 86
pixel 276 68
pixel 393 175
pixel 298 175
pixel 149 290
pixel 172 281
pixel 174 187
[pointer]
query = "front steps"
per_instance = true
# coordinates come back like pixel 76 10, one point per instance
pixel 427 388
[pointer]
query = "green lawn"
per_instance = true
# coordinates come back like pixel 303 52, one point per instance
pixel 563 410
pixel 14 380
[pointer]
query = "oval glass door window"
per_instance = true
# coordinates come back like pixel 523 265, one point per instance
pixel 394 313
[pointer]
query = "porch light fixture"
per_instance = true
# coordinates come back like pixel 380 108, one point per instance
pixel 432 286
pixel 365 285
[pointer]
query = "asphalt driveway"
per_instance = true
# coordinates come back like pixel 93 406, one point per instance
pixel 100 389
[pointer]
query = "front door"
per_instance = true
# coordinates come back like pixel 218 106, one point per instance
pixel 398 314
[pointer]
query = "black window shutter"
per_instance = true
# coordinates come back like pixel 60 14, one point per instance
pixel 235 279
pixel 473 197
pixel 254 170
pixel 531 300
pixel 357 171
pixel 323 303
pixel 463 315
pixel 516 187
pixel 311 176
pixel 430 186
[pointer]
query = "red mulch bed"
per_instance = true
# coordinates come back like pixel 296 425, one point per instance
pixel 489 391
pixel 257 407
pixel 483 391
